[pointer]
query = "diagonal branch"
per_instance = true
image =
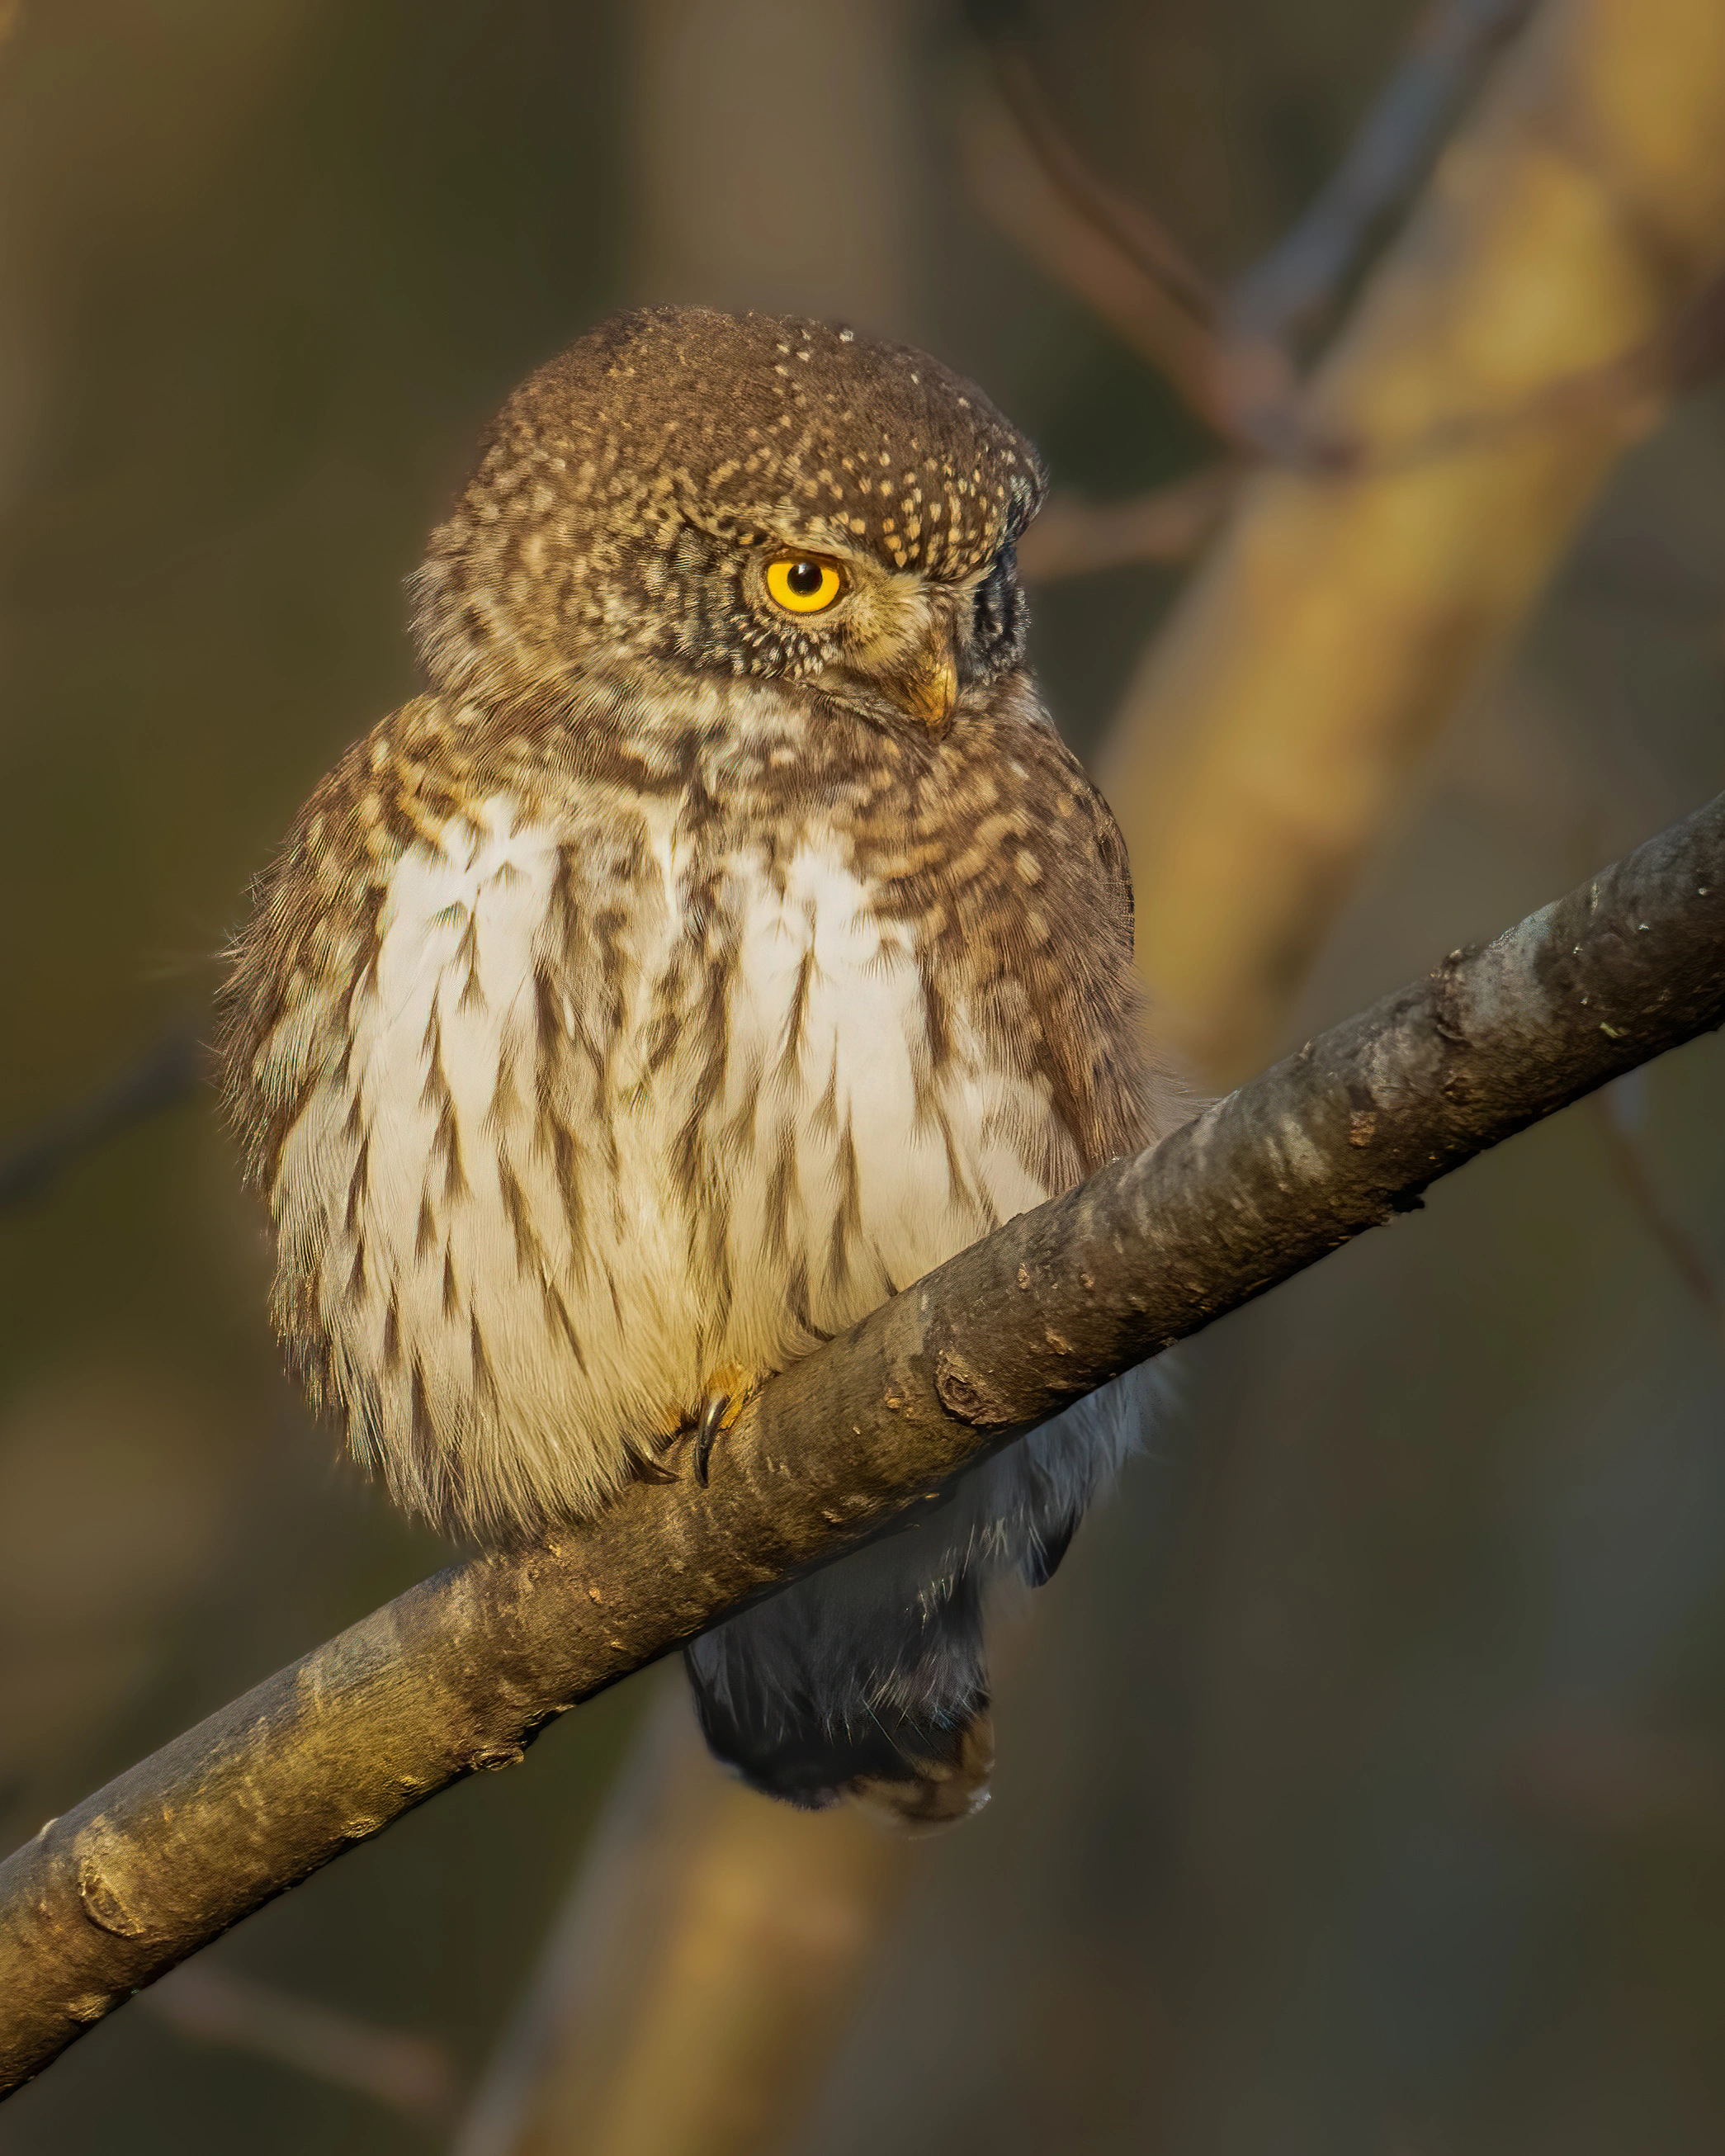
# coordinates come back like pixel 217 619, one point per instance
pixel 405 2072
pixel 1076 538
pixel 1299 280
pixel 161 1078
pixel 1024 174
pixel 458 1673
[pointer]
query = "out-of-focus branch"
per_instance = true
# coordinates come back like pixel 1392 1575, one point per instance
pixel 404 2072
pixel 1684 1255
pixel 1631 390
pixel 457 1675
pixel 1136 235
pixel 165 1076
pixel 1277 723
pixel 689 1996
pixel 1075 538
pixel 1299 281
pixel 1035 188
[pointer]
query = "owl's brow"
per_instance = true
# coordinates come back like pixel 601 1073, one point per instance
pixel 757 537
pixel 742 535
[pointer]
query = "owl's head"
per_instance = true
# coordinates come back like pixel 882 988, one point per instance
pixel 751 495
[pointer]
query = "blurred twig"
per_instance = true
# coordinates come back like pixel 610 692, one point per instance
pixel 1628 390
pixel 1629 1161
pixel 167 1075
pixel 1299 283
pixel 1137 236
pixel 1075 538
pixel 691 1990
pixel 457 1675
pixel 1300 280
pixel 1026 177
pixel 406 2073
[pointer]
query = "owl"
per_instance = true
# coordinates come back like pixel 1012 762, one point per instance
pixel 722 940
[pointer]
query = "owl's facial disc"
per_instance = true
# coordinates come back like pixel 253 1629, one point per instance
pixel 873 633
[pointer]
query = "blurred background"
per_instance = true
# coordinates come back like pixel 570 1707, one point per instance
pixel 1361 1782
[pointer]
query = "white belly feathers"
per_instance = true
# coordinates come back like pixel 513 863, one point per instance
pixel 555 1182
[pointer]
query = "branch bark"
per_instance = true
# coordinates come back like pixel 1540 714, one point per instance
pixel 456 1675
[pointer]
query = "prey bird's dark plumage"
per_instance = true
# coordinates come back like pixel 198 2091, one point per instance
pixel 725 939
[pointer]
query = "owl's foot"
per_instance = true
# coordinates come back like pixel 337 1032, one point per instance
pixel 728 1391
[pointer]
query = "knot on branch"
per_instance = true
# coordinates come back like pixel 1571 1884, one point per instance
pixel 492 1758
pixel 102 1903
pixel 969 1393
pixel 1449 997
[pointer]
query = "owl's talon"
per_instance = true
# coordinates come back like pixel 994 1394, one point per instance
pixel 706 1433
pixel 728 1390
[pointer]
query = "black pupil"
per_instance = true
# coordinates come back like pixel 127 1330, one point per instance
pixel 805 578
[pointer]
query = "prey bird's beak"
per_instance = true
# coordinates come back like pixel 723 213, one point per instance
pixel 928 687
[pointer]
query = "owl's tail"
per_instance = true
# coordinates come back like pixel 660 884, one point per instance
pixel 867 1679
pixel 855 1682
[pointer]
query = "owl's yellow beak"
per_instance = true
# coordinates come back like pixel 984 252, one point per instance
pixel 928 688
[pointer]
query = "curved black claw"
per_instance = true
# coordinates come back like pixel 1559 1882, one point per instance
pixel 706 1433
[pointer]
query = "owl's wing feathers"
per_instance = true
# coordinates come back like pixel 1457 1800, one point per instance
pixel 868 1678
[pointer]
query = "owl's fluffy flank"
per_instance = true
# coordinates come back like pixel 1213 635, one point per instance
pixel 685 974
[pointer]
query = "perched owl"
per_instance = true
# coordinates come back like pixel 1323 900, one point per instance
pixel 723 939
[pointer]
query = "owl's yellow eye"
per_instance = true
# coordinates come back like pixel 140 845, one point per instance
pixel 802 585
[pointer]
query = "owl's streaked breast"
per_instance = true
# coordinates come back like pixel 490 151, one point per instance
pixel 607 1100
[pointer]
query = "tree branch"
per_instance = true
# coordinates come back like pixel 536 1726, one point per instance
pixel 1075 538
pixel 457 1675
pixel 1298 281
pixel 408 2073
pixel 162 1077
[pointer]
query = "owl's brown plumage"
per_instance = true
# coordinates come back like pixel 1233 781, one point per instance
pixel 686 973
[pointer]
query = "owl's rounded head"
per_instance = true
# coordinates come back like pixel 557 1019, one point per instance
pixel 752 495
